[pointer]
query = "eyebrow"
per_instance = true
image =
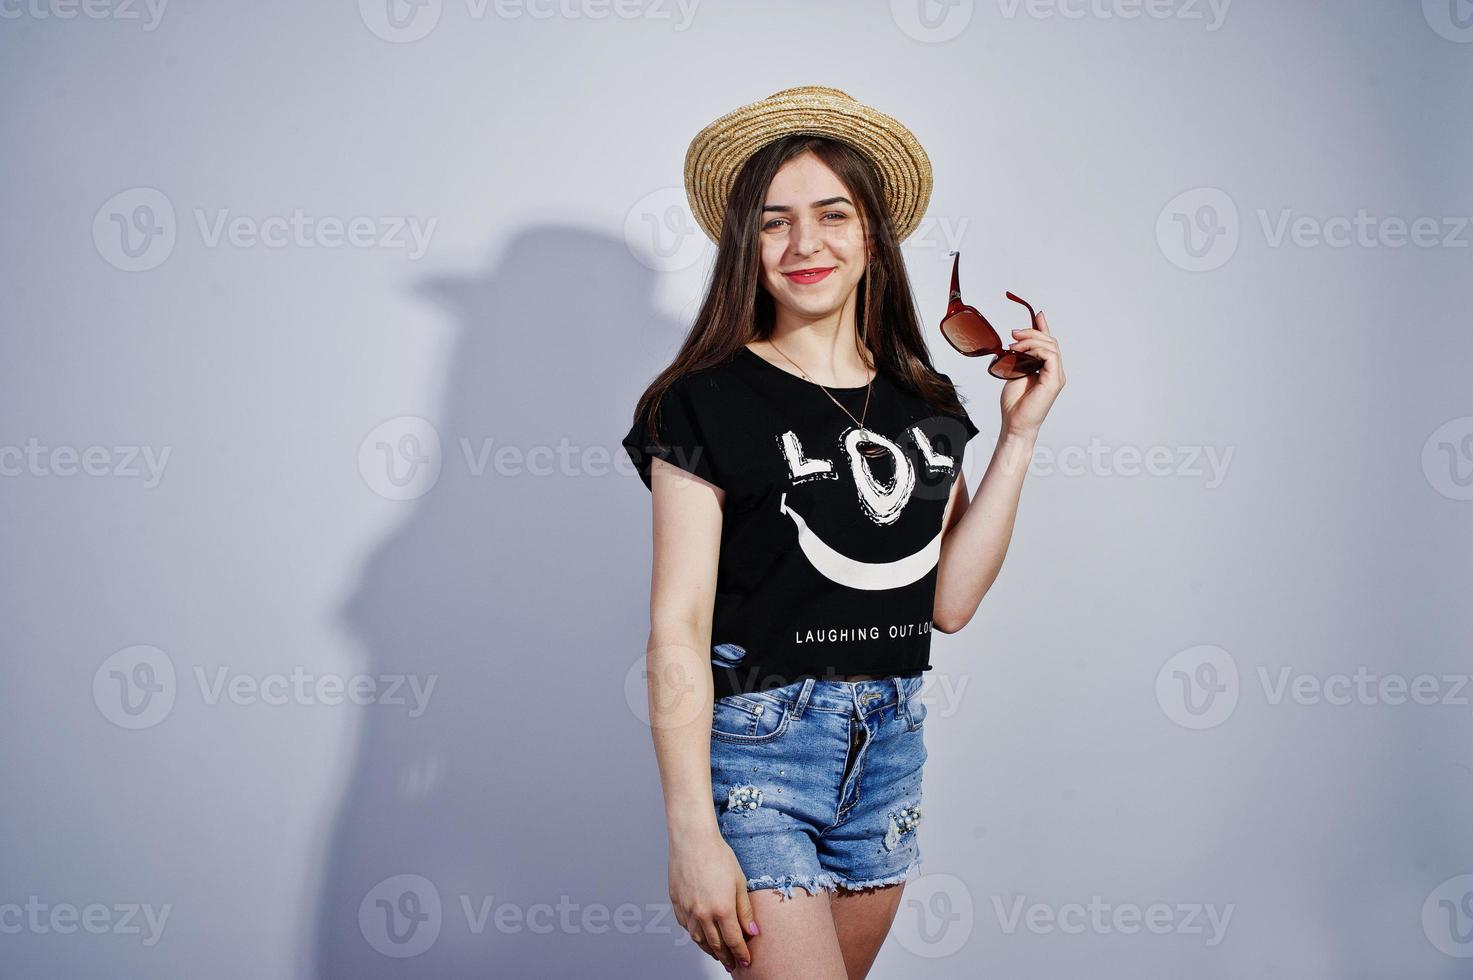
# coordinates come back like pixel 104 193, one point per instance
pixel 817 204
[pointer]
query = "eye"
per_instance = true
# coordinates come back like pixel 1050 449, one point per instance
pixel 828 214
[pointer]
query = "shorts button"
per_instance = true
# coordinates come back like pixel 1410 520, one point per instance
pixel 757 710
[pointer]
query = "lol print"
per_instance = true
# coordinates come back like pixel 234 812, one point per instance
pixel 870 518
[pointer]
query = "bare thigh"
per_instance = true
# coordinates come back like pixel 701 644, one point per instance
pixel 862 920
pixel 797 938
pixel 828 936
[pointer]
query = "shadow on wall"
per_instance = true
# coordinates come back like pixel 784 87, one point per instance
pixel 516 827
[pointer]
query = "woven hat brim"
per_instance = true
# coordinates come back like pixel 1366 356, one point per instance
pixel 721 148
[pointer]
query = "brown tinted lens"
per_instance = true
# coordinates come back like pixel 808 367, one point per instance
pixel 969 333
pixel 1014 365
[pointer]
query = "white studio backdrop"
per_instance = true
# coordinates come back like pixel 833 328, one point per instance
pixel 326 586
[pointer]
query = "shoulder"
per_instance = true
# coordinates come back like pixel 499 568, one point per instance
pixel 706 386
pixel 700 396
pixel 961 413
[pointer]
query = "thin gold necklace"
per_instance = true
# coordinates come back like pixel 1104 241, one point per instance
pixel 867 447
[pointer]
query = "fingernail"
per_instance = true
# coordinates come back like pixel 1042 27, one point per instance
pixel 753 927
pixel 746 963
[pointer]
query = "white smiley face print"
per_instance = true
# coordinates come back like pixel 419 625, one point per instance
pixel 882 501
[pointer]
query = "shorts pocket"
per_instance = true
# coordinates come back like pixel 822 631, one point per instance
pixel 742 719
pixel 915 708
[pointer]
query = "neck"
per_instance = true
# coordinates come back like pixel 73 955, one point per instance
pixel 826 348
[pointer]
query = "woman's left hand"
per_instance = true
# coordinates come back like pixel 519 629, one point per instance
pixel 1026 400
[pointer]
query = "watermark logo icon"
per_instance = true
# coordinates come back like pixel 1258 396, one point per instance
pixel 1198 687
pixel 135 229
pixel 1447 916
pixel 400 21
pixel 1451 19
pixel 401 916
pixel 401 458
pixel 936 916
pixel 661 233
pixel 135 687
pixel 1447 458
pixel 931 21
pixel 1198 230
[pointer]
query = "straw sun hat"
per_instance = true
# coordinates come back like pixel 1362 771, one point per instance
pixel 719 150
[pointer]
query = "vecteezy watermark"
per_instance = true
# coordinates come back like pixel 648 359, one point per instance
pixel 405 21
pixel 1199 230
pixel 1097 459
pixel 38 918
pixel 122 462
pixel 137 687
pixel 1101 918
pixel 1210 12
pixel 938 232
pixel 1451 19
pixel 936 21
pixel 136 230
pixel 1200 687
pixel 148 12
pixel 402 458
pixel 662 235
pixel 1447 917
pixel 674 683
pixel 1447 458
pixel 402 916
pixel 301 687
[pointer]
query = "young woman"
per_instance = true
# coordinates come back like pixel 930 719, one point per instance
pixel 811 528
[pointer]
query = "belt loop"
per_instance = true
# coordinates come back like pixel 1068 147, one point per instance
pixel 899 692
pixel 802 701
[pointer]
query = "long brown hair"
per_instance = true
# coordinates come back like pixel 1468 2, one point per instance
pixel 736 310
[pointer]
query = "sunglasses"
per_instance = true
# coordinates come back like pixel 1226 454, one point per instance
pixel 966 329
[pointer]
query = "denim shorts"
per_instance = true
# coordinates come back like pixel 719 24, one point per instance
pixel 818 783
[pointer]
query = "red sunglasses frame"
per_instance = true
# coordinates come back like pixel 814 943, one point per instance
pixel 1007 365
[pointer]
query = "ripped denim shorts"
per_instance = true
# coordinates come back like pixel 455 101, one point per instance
pixel 818 783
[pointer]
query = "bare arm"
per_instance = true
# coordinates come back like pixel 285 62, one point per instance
pixel 978 532
pixel 687 539
pixel 707 885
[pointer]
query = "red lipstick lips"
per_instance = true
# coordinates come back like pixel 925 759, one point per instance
pixel 808 276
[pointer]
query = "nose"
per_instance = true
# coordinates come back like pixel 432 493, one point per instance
pixel 802 237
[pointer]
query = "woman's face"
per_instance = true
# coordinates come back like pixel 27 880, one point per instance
pixel 810 222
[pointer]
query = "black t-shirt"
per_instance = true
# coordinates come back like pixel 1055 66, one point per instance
pixel 828 555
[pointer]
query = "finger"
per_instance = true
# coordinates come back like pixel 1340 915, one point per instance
pixel 746 916
pixel 1021 332
pixel 1037 347
pixel 717 948
pixel 692 925
pixel 1042 322
pixel 1053 364
pixel 731 934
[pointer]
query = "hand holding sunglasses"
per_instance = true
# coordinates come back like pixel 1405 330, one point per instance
pixel 966 329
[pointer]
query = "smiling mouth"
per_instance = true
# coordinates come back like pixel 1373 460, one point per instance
pixel 838 567
pixel 808 276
